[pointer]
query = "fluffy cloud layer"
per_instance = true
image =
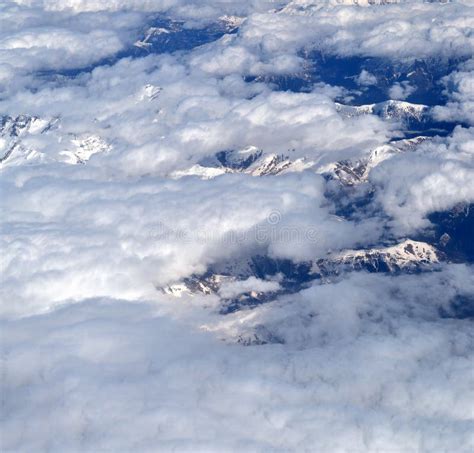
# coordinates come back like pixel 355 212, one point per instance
pixel 59 230
pixel 397 31
pixel 193 116
pixel 460 89
pixel 367 362
pixel 437 178
pixel 96 357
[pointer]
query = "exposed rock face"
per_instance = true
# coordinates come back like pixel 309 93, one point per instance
pixel 19 144
pixel 409 256
pixel 13 129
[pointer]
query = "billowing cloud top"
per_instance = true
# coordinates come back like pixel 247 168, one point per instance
pixel 236 226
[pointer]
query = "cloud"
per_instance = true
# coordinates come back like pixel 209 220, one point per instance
pixel 95 357
pixel 365 78
pixel 96 5
pixel 354 356
pixel 394 31
pixel 252 284
pixel 436 178
pixel 52 48
pixel 68 237
pixel 460 106
pixel 193 116
pixel 32 41
pixel 401 90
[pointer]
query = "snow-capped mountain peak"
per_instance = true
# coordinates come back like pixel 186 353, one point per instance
pixel 407 255
pixel 17 145
pixel 387 110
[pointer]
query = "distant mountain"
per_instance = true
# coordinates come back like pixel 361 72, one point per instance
pixel 250 160
pixel 17 144
pixel 255 162
pixel 388 110
pixel 14 129
pixel 350 173
pixel 166 35
pixel 408 256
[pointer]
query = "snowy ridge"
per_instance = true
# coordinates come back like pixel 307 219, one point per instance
pixel 387 110
pixel 231 22
pixel 151 32
pixel 351 173
pixel 250 160
pixel 273 164
pixel 14 129
pixel 85 148
pixel 408 256
pixel 254 161
pixel 17 144
pixel 168 32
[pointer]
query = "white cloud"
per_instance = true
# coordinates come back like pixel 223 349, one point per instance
pixel 252 284
pixel 70 237
pixel 57 48
pixel 97 5
pixel 460 106
pixel 365 78
pixel 438 177
pixel 364 361
pixel 193 116
pixel 400 91
pixel 367 362
pixel 394 31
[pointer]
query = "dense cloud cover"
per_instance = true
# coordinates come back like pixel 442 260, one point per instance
pixel 373 368
pixel 461 98
pixel 131 164
pixel 434 179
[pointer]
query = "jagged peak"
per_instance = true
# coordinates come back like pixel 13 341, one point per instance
pixel 390 109
pixel 61 146
pixel 404 255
